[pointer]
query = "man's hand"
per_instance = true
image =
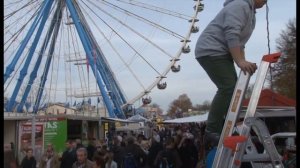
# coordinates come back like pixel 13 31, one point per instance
pixel 238 56
pixel 247 67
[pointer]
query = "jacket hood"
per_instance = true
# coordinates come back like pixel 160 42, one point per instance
pixel 250 2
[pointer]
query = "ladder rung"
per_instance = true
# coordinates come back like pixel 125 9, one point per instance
pixel 256 157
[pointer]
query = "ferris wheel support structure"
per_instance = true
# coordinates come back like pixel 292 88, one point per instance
pixel 109 88
pixel 113 89
pixel 112 107
pixel 54 26
pixel 10 68
pixel 57 20
pixel 45 13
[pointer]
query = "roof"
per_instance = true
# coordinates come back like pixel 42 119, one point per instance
pixel 108 119
pixel 81 116
pixel 270 98
pixel 137 117
pixel 28 116
pixel 271 111
pixel 190 119
pixel 61 105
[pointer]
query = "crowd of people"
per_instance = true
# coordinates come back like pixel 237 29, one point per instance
pixel 172 146
pixel 177 147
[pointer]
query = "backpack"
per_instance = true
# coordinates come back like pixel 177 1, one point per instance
pixel 165 160
pixel 129 161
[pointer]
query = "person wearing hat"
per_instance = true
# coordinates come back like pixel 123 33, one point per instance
pixel 220 45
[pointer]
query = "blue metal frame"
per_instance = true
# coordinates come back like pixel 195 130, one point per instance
pixel 88 49
pixel 23 72
pixel 55 22
pixel 107 75
pixel 110 90
pixel 11 67
pixel 102 65
pixel 111 85
pixel 47 65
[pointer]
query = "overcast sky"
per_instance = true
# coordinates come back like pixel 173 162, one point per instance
pixel 192 79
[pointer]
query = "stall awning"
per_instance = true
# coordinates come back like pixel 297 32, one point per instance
pixel 107 119
pixel 190 119
pixel 138 118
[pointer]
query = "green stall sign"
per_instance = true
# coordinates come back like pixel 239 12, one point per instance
pixel 56 134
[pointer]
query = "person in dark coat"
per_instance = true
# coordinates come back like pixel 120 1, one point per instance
pixel 79 144
pixel 170 153
pixel 29 160
pixel 136 151
pixel 91 149
pixel 188 151
pixel 154 149
pixel 118 150
pixel 69 156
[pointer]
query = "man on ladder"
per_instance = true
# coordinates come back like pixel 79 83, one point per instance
pixel 220 45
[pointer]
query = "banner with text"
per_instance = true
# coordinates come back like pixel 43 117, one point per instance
pixel 56 133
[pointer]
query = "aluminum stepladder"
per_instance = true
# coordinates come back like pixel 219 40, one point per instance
pixel 231 149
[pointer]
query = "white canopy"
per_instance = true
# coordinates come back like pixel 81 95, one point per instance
pixel 107 119
pixel 138 118
pixel 190 119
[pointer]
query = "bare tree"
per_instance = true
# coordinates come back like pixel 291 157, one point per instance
pixel 179 106
pixel 157 107
pixel 205 106
pixel 284 72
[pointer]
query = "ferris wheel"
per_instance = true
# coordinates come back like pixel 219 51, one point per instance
pixel 115 51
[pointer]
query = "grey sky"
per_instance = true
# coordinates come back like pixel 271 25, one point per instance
pixel 192 79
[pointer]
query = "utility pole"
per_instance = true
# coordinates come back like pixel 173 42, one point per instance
pixel 33 128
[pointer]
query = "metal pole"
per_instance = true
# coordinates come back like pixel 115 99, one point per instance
pixel 100 128
pixel 33 134
pixel 97 107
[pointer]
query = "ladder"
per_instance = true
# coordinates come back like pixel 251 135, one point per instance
pixel 231 149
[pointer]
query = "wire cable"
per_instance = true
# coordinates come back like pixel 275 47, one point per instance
pixel 115 50
pixel 124 41
pixel 269 51
pixel 143 19
pixel 157 9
